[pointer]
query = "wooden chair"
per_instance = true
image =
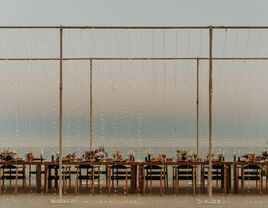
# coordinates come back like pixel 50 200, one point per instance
pixel 52 174
pixel 217 175
pixel 14 172
pixel 33 172
pixel 155 173
pixel 184 173
pixel 251 173
pixel 88 173
pixel 118 173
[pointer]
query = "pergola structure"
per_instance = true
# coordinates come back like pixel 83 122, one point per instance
pixel 91 60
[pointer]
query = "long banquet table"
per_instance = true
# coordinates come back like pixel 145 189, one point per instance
pixel 137 169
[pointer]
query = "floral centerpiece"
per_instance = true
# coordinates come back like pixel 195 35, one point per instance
pixel 118 156
pixel 251 157
pixel 70 156
pixel 88 155
pixel 97 154
pixel 100 153
pixel 29 156
pixel 7 155
pixel 159 157
pixel 216 157
pixel 264 155
pixel 185 155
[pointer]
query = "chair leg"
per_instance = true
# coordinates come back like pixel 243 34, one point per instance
pixel 46 180
pixel 92 180
pixel 1 180
pixel 166 177
pixel 109 180
pixel 177 182
pixel 260 183
pixel 99 178
pixel 87 178
pixel 144 182
pixel 76 182
pixel 16 183
pixel 173 180
pixel 266 182
pixel 165 181
pixel 3 185
pixel 161 183
pixel 126 182
pixel 64 181
pixel 24 184
pixel 242 185
pixel 30 177
pixel 202 179
pixel 24 179
pixel 194 180
pixel 69 178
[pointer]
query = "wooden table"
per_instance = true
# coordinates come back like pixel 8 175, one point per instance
pixel 138 167
pixel 36 163
pixel 226 165
pixel 133 166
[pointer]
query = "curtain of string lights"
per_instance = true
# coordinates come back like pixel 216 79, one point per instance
pixel 105 85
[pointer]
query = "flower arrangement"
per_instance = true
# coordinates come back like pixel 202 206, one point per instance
pixel 70 156
pixel 264 155
pixel 7 155
pixel 185 155
pixel 159 157
pixel 251 157
pixel 29 156
pixel 88 155
pixel 216 157
pixel 100 153
pixel 117 155
pixel 97 154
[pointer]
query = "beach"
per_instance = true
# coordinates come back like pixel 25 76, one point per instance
pixel 118 201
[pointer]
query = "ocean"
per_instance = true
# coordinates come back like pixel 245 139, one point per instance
pixel 139 147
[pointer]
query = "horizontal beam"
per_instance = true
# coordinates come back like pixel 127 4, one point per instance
pixel 134 27
pixel 134 58
pixel 105 27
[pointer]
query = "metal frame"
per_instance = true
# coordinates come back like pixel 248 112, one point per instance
pixel 91 59
pixel 132 27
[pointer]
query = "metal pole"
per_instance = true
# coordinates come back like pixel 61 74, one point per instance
pixel 197 118
pixel 197 107
pixel 60 133
pixel 210 114
pixel 91 105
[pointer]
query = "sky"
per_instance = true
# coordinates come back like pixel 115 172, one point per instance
pixel 130 101
pixel 138 12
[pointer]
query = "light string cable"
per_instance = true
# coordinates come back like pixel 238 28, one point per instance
pixel 175 86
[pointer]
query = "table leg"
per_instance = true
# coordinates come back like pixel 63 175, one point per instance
pixel 133 178
pixel 141 176
pixel 38 178
pixel 235 179
pixel 225 179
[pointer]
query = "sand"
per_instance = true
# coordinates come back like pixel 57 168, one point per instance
pixel 117 201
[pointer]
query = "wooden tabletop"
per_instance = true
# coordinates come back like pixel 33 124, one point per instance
pixel 141 163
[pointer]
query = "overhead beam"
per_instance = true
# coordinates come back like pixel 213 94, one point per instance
pixel 133 58
pixel 131 27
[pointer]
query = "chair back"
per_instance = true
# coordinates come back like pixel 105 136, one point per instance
pixel 120 172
